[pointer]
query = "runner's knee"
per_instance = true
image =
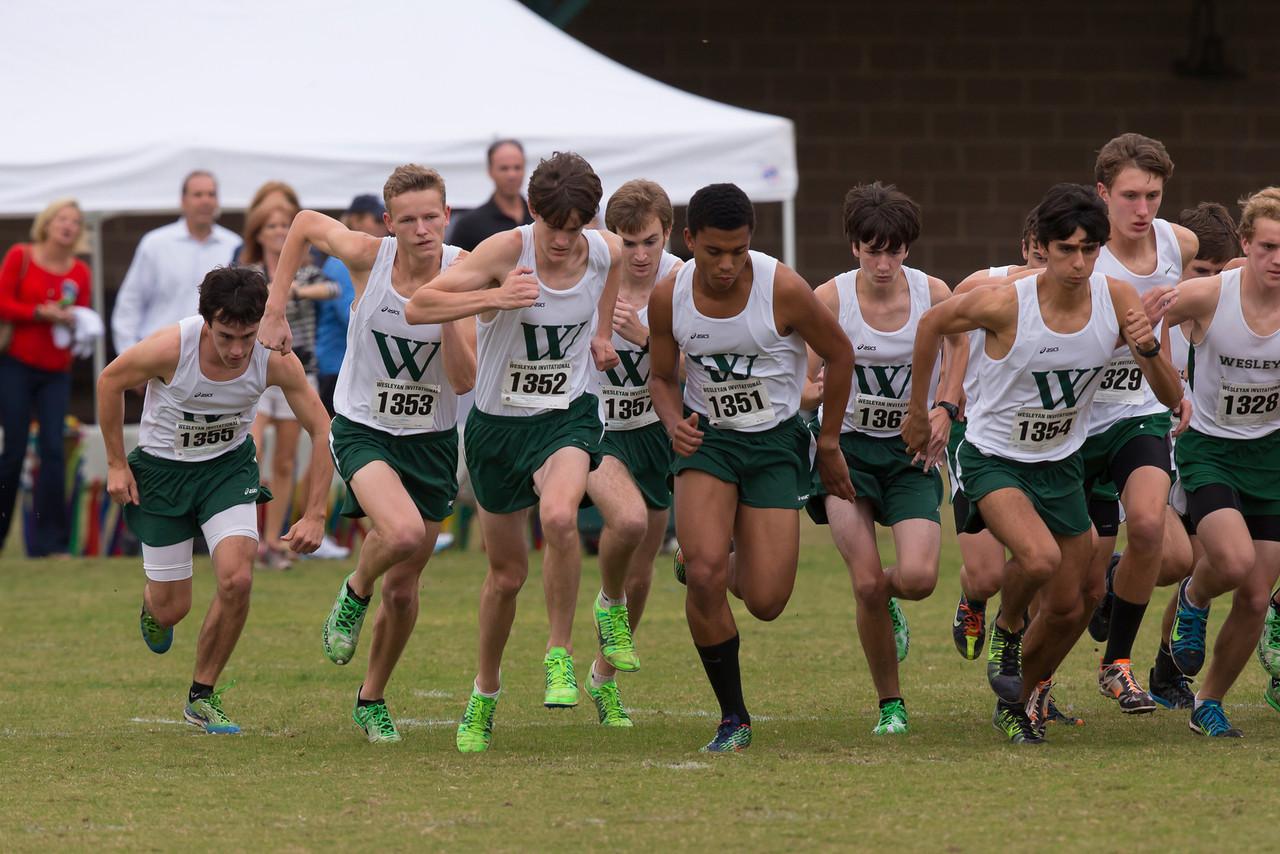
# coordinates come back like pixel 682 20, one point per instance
pixel 236 583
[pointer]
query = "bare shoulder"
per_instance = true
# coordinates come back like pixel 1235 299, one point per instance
pixel 938 290
pixel 828 293
pixel 1188 243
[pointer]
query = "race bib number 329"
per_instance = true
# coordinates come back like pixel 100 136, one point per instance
pixel 1121 382
pixel 537 385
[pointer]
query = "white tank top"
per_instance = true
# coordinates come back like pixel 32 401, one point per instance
pixel 1123 392
pixel 536 359
pixel 194 418
pixel 976 343
pixel 1180 353
pixel 392 377
pixel 624 389
pixel 1235 387
pixel 1031 403
pixel 739 372
pixel 999 272
pixel 881 360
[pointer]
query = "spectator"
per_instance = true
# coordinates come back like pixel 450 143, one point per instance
pixel 265 229
pixel 506 208
pixel 162 284
pixel 273 192
pixel 40 283
pixel 365 214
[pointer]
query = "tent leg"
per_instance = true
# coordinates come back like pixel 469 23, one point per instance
pixel 98 293
pixel 789 232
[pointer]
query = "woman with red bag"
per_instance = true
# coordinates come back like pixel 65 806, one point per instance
pixel 40 282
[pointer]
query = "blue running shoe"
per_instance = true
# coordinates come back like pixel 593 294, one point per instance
pixel 1186 640
pixel 732 736
pixel 1210 720
pixel 157 637
pixel 206 713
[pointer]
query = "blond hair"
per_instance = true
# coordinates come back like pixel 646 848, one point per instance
pixel 40 225
pixel 631 206
pixel 411 178
pixel 1264 204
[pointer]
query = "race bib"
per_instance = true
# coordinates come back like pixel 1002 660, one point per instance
pixel 626 407
pixel 878 413
pixel 202 438
pixel 1244 404
pixel 736 404
pixel 1041 429
pixel 537 385
pixel 397 403
pixel 1121 382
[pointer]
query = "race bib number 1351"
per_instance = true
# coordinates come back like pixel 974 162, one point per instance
pixel 738 403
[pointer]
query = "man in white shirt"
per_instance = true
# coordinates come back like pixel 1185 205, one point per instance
pixel 162 284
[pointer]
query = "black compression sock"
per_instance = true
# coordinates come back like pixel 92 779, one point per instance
pixel 977 604
pixel 363 600
pixel 199 691
pixel 1126 617
pixel 361 701
pixel 1166 670
pixel 721 663
pixel 887 700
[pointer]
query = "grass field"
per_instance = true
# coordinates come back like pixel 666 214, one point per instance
pixel 93 754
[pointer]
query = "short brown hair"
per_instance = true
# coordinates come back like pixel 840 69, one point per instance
pixel 254 220
pixel 236 296
pixel 1215 229
pixel 411 178
pixel 634 203
pixel 562 185
pixel 881 216
pixel 198 173
pixel 1264 204
pixel 1131 149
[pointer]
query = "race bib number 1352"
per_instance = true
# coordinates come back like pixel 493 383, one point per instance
pixel 537 385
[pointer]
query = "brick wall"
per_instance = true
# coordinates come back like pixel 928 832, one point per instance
pixel 974 109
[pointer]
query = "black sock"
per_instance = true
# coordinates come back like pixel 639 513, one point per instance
pixel 977 604
pixel 1275 606
pixel 363 600
pixel 721 663
pixel 887 700
pixel 1166 670
pixel 361 701
pixel 199 691
pixel 1126 617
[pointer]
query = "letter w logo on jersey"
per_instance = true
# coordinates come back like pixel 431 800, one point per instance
pixel 628 370
pixel 890 380
pixel 409 351
pixel 1070 384
pixel 725 365
pixel 557 340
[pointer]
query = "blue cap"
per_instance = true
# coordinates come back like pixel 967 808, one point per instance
pixel 367 203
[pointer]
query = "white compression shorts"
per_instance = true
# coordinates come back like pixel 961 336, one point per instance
pixel 174 563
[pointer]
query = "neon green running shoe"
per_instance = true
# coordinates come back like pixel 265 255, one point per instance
pixel 342 628
pixel 901 631
pixel 376 721
pixel 613 630
pixel 475 730
pixel 732 736
pixel 1272 694
pixel 677 564
pixel 609 704
pixel 893 718
pixel 158 638
pixel 562 685
pixel 1269 643
pixel 206 713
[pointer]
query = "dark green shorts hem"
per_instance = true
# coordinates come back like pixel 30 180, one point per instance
pixel 426 463
pixel 771 468
pixel 646 454
pixel 1251 467
pixel 1055 489
pixel 882 473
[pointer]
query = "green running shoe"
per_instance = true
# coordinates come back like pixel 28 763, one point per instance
pixel 1272 694
pixel 893 718
pixel 677 564
pixel 562 685
pixel 206 713
pixel 1011 719
pixel 157 637
pixel 342 628
pixel 613 629
pixel 1268 644
pixel 731 737
pixel 901 631
pixel 475 730
pixel 609 704
pixel 1004 663
pixel 376 721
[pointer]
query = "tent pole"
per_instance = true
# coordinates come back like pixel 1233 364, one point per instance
pixel 98 291
pixel 789 232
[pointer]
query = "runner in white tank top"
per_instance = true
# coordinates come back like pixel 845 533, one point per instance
pixel 1126 457
pixel 394 437
pixel 742 468
pixel 1046 341
pixel 545 296
pixel 194 472
pixel 1234 326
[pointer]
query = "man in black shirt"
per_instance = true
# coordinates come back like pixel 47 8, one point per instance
pixel 506 208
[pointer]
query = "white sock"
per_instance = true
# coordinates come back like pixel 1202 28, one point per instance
pixel 596 679
pixel 476 688
pixel 609 603
pixel 1199 703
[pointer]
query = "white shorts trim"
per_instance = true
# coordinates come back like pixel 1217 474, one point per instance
pixel 238 521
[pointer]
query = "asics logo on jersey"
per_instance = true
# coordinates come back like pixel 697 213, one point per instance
pixel 203 394
pixel 409 351
pixel 889 380
pixel 386 309
pixel 550 342
pixel 1070 383
pixel 699 336
pixel 628 370
pixel 868 347
pixel 1044 350
pixel 723 366
pixel 539 305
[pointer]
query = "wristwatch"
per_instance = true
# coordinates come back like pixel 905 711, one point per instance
pixel 1152 353
pixel 953 411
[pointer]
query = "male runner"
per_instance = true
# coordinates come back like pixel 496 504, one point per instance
pixel 534 434
pixel 1234 328
pixel 395 437
pixel 195 469
pixel 879 305
pixel 743 455
pixel 1128 442
pixel 1046 341
pixel 630 486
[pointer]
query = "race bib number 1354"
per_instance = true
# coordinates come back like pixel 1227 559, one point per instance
pixel 1041 429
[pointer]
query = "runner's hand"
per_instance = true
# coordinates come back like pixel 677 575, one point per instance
pixel 939 433
pixel 603 354
pixel 1183 411
pixel 626 322
pixel 519 290
pixel 1157 302
pixel 121 486
pixel 686 438
pixel 834 472
pixel 811 394
pixel 1137 328
pixel 305 535
pixel 274 332
pixel 917 432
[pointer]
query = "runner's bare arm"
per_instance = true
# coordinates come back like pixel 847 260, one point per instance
pixel 955 357
pixel 1188 243
pixel 664 373
pixel 458 337
pixel 811 396
pixel 1138 334
pixel 286 372
pixel 602 351
pixel 1192 302
pixel 486 280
